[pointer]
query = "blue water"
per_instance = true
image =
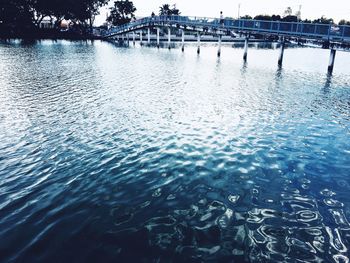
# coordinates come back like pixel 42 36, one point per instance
pixel 112 154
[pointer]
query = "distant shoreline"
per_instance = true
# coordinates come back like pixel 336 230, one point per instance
pixel 73 38
pixel 30 34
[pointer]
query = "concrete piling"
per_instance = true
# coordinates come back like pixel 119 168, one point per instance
pixel 280 59
pixel 198 43
pixel 183 40
pixel 245 54
pixel 331 61
pixel 158 41
pixel 169 38
pixel 219 47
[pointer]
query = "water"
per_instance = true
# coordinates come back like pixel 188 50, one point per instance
pixel 112 154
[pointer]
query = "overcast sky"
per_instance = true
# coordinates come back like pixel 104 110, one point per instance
pixel 337 9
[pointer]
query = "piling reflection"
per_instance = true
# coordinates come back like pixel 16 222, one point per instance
pixel 328 83
pixel 144 154
pixel 279 73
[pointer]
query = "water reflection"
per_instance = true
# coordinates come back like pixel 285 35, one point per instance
pixel 279 73
pixel 244 67
pixel 132 154
pixel 328 83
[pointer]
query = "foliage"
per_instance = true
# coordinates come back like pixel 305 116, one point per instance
pixel 263 17
pixel 324 20
pixel 276 18
pixel 167 10
pixel 248 17
pixel 26 13
pixel 122 12
pixel 93 7
pixel 290 18
pixel 307 21
pixel 13 12
pixel 344 22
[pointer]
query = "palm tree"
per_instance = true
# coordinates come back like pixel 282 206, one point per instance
pixel 164 10
pixel 175 11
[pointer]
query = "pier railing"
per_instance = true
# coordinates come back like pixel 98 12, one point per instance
pixel 329 32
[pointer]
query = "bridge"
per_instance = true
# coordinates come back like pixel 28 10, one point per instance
pixel 330 36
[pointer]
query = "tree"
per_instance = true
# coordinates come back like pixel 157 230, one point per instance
pixel 122 12
pixel 166 10
pixel 54 8
pixel 175 11
pixel 17 16
pixel 16 13
pixel 307 21
pixel 290 18
pixel 323 20
pixel 275 17
pixel 288 11
pixel 344 22
pixel 247 17
pixel 93 7
pixel 263 17
pixel 41 10
pixel 79 11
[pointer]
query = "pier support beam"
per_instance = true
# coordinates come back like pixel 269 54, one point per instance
pixel 141 44
pixel 245 54
pixel 133 38
pixel 169 38
pixel 158 41
pixel 280 59
pixel 331 61
pixel 148 36
pixel 198 43
pixel 219 47
pixel 183 40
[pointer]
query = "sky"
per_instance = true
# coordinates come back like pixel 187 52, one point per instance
pixel 311 9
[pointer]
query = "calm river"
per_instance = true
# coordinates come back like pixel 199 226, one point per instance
pixel 112 154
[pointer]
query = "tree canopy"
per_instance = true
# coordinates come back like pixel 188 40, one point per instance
pixel 288 18
pixel 324 20
pixel 344 22
pixel 248 17
pixel 122 12
pixel 18 13
pixel 168 10
pixel 15 12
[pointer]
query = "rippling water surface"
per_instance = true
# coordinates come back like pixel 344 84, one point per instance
pixel 111 154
